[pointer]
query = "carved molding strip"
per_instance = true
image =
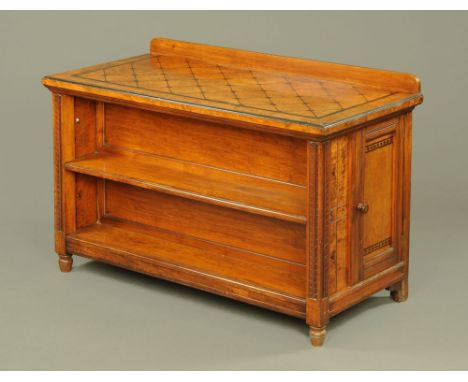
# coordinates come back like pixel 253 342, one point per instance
pixel 379 144
pixel 314 264
pixel 58 162
pixel 318 263
pixel 378 245
pixel 377 130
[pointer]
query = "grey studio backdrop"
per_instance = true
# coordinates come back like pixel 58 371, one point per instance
pixel 100 317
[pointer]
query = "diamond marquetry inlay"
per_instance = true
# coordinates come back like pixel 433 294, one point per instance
pixel 244 90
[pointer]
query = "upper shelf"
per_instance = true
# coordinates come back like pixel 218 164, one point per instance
pixel 262 196
pixel 297 95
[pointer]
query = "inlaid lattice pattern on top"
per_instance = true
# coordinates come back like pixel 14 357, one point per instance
pixel 246 90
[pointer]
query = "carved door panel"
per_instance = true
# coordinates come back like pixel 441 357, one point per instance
pixel 375 216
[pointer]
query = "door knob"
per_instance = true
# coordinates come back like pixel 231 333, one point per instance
pixel 362 207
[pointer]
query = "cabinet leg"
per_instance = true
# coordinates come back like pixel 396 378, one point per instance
pixel 399 292
pixel 317 335
pixel 65 263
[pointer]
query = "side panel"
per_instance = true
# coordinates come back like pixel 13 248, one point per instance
pixel 75 135
pixel 366 209
pixel 85 144
pixel 336 225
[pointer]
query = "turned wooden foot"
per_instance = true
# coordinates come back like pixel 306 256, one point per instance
pixel 399 292
pixel 317 336
pixel 65 263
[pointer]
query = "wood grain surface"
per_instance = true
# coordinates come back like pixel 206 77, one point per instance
pixel 297 96
pixel 280 182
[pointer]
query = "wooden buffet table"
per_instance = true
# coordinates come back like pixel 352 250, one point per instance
pixel 280 182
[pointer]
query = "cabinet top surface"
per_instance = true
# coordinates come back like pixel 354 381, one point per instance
pixel 236 84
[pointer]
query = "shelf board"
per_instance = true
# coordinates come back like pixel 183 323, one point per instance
pixel 253 194
pixel 113 239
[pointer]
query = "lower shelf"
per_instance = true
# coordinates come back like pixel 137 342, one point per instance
pixel 246 276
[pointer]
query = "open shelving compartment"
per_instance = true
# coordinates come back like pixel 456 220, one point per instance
pixel 142 195
pixel 225 188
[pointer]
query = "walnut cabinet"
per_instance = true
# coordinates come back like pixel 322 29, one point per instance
pixel 276 181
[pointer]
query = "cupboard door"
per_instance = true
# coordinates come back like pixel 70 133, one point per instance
pixel 375 201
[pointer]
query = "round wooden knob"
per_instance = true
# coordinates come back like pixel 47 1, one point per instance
pixel 362 207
